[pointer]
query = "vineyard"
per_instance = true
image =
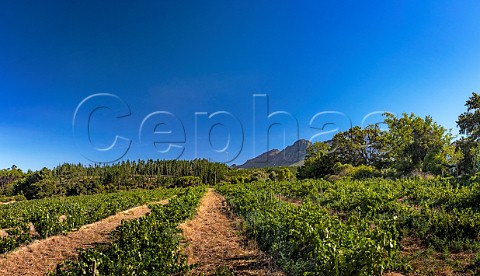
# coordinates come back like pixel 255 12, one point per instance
pixel 308 227
pixel 26 220
pixel 363 227
pixel 149 245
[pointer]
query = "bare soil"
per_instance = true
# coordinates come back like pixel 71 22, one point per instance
pixel 42 256
pixel 216 242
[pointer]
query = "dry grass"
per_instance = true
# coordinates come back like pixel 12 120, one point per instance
pixel 425 261
pixel 42 256
pixel 294 201
pixel 216 241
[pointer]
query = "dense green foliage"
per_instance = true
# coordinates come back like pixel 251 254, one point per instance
pixel 146 246
pixel 357 226
pixel 319 161
pixel 186 181
pixel 469 125
pixel 429 209
pixel 259 174
pixel 71 179
pixel 359 172
pixel 10 175
pixel 52 216
pixel 419 144
pixel 469 122
pixel 411 144
pixel 310 239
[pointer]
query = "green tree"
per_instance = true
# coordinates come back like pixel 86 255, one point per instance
pixel 285 174
pixel 358 146
pixel 442 161
pixel 469 122
pixel 469 125
pixel 319 161
pixel 411 138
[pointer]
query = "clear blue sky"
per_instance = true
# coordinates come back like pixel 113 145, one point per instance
pixel 207 56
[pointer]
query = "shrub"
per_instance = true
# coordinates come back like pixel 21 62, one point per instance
pixel 359 172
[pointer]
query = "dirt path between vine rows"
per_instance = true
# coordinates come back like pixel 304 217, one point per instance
pixel 42 256
pixel 216 241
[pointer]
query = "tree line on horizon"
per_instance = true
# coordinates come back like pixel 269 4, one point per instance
pixel 78 179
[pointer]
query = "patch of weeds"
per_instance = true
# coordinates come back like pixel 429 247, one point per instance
pixel 223 271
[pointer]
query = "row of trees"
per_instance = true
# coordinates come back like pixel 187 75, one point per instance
pixel 76 179
pixel 411 144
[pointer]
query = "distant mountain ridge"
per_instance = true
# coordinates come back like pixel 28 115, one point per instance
pixel 292 155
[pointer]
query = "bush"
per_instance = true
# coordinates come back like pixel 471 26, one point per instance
pixel 360 172
pixel 333 177
pixel 259 176
pixel 285 174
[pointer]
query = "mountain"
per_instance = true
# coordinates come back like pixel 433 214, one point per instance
pixel 292 155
